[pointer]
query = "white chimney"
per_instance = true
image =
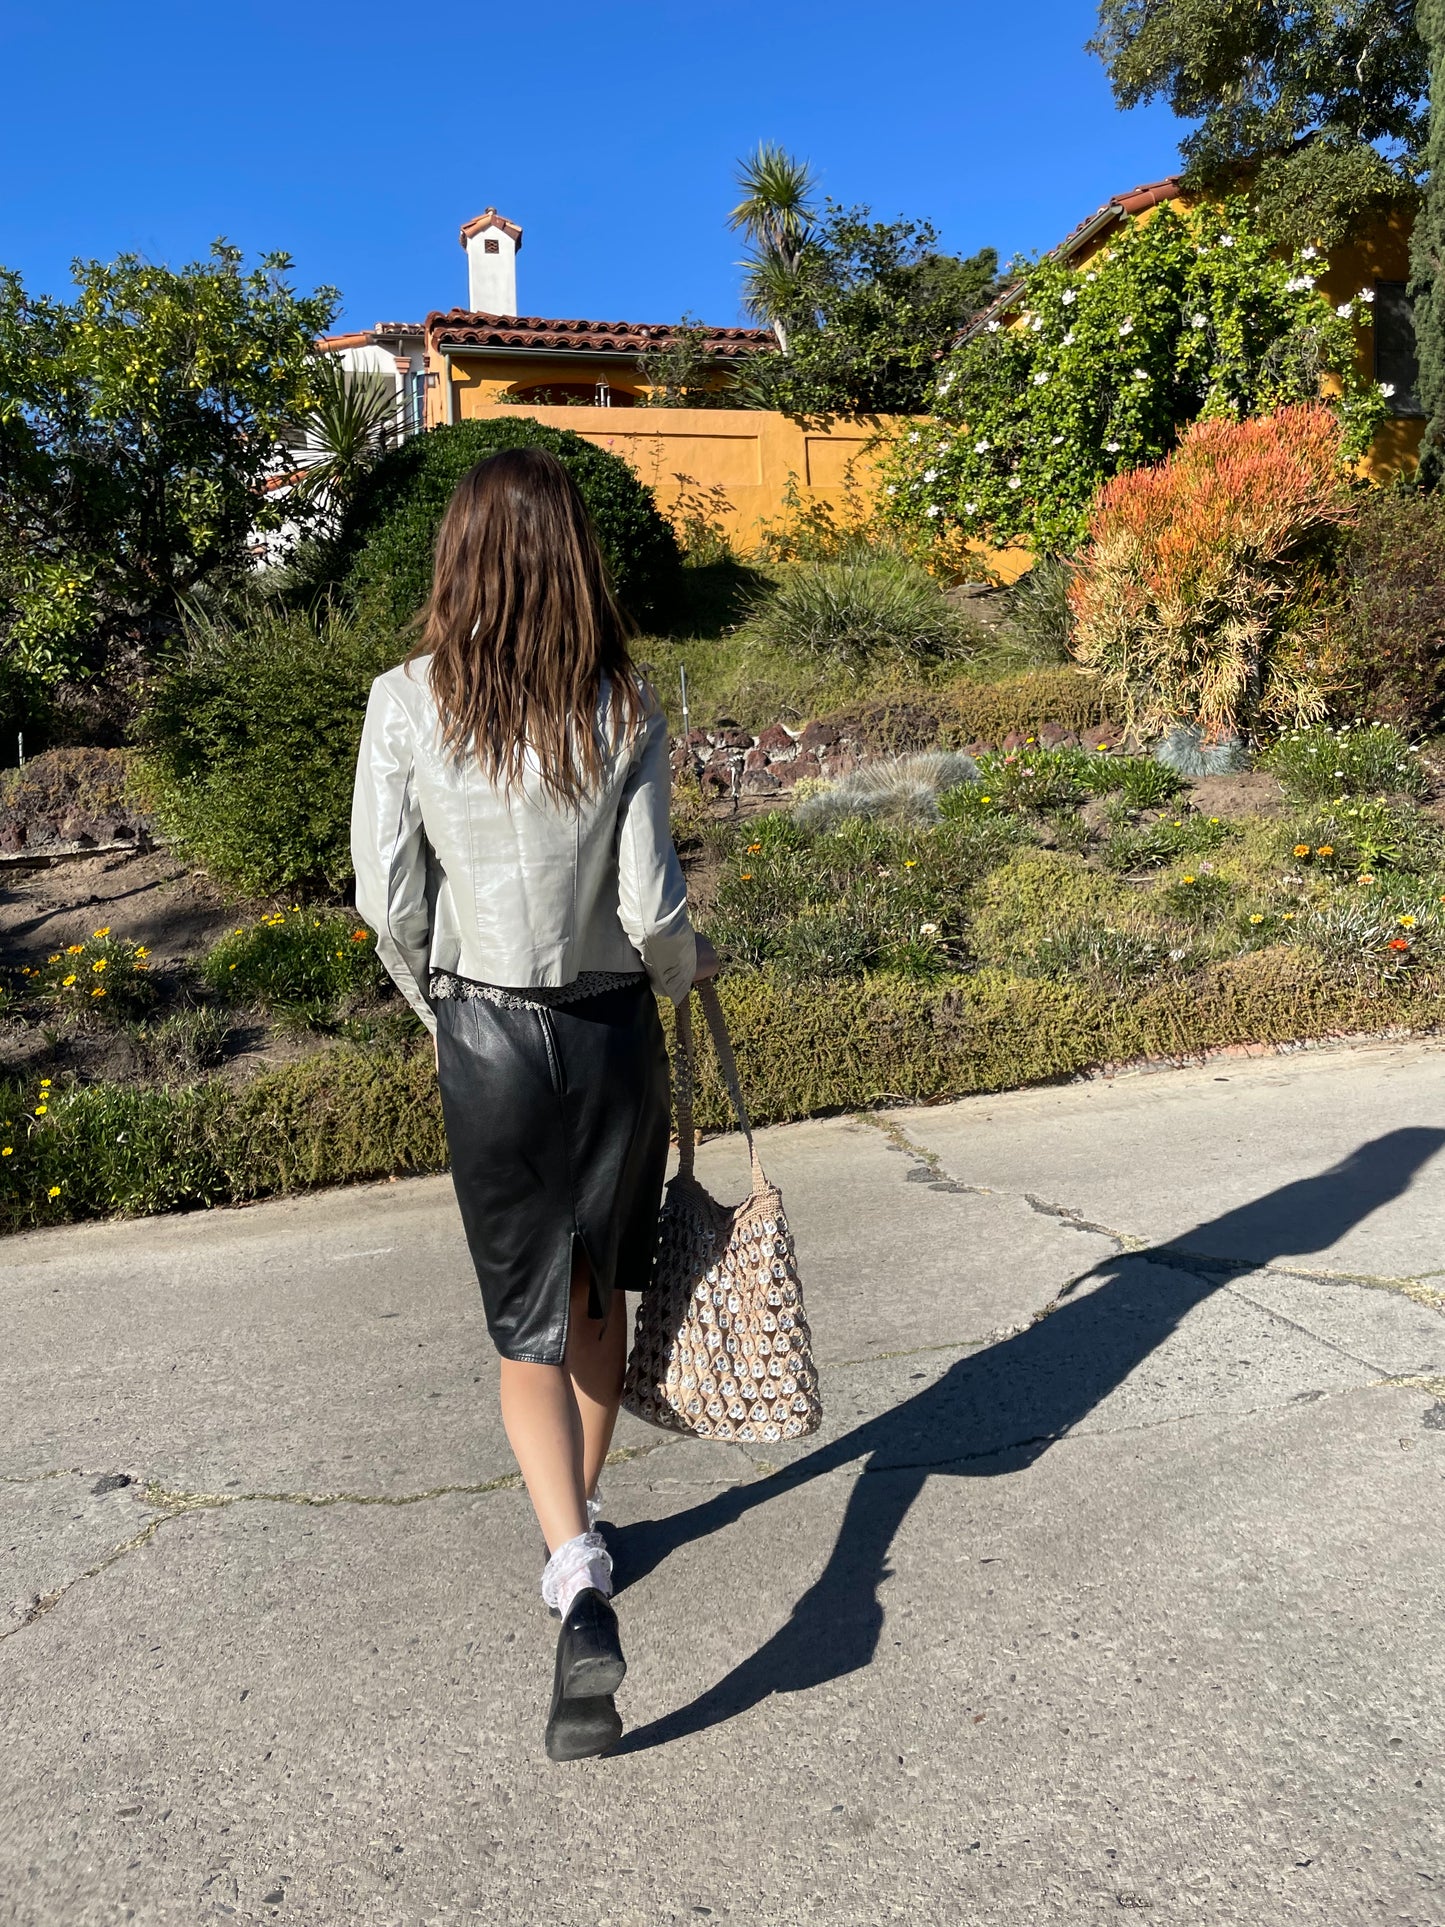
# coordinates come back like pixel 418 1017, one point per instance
pixel 491 244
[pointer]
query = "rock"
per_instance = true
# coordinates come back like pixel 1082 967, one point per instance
pixel 717 782
pixel 755 759
pixel 838 763
pixel 795 771
pixel 775 737
pixel 760 782
pixel 732 739
pixel 1055 736
pixel 819 736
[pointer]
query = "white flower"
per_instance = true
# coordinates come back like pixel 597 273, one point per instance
pixel 1299 284
pixel 1013 481
pixel 930 475
pixel 993 327
pixel 1199 321
pixel 1040 379
pixel 1054 440
pixel 945 384
pixel 1141 374
pixel 1309 254
pixel 1226 240
pixel 982 448
pixel 1068 340
pixel 970 508
pixel 914 436
pixel 1126 326
pixel 928 929
pixel 1387 388
pixel 1365 294
pixel 1091 276
pixel 932 509
pixel 1113 447
pixel 1069 297
pixel 892 489
pixel 1037 323
pixel 1343 311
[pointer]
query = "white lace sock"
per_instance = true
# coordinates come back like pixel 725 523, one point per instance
pixel 594 1510
pixel 582 1562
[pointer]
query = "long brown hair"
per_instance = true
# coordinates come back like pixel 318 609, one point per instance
pixel 522 627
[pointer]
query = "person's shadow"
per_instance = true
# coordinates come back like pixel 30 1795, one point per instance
pixel 996 1411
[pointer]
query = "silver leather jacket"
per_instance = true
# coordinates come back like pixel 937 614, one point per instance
pixel 454 873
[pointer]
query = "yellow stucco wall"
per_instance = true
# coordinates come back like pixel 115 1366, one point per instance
pixel 745 455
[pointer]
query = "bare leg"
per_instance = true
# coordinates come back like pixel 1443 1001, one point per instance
pixel 596 1363
pixel 559 1418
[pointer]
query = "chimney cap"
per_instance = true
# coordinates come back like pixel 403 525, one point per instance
pixel 489 218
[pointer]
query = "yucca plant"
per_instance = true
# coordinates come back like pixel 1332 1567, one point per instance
pixel 346 428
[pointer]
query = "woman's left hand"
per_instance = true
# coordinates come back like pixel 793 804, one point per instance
pixel 707 961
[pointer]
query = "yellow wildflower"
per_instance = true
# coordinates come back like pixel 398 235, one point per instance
pixel 1406 923
pixel 66 982
pixel 103 932
pixel 1301 849
pixel 74 949
pixel 99 964
pixel 41 1109
pixel 1258 917
pixel 7 1151
pixel 97 992
pixel 54 1191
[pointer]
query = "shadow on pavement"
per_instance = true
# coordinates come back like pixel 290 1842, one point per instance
pixel 997 1411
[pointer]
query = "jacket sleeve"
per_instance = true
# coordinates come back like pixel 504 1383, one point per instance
pixel 651 894
pixel 389 849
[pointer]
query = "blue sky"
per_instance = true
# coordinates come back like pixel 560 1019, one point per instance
pixel 360 137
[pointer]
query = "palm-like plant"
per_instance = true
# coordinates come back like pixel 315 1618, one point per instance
pixel 777 215
pixel 346 427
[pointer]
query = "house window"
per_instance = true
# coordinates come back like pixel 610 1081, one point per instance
pixel 1396 364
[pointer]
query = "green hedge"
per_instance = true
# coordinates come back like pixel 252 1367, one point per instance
pixel 384 551
pixel 347 1114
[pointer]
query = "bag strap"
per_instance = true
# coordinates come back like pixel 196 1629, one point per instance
pixel 685 1079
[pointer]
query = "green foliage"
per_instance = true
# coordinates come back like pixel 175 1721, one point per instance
pixel 1040 625
pixel 1427 252
pixel 893 789
pixel 250 745
pixel 1315 765
pixel 297 960
pixel 384 551
pixel 348 421
pixel 868 607
pixel 107 978
pixel 871 304
pixel 682 374
pixel 1317 93
pixel 138 425
pixel 1393 631
pixel 1132 847
pixel 1183 316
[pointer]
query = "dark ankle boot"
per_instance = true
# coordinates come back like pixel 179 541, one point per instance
pixel 583 1720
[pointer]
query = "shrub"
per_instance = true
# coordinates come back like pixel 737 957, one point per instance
pixel 1394 626
pixel 1040 622
pixel 863 609
pixel 1100 366
pixel 384 550
pixel 987 712
pixel 895 789
pixel 296 959
pixel 250 745
pixel 1199 598
pixel 1317 764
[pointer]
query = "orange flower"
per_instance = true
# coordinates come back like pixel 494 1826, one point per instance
pixel 360 936
pixel 753 848
pixel 1325 849
pixel 1301 849
pixel 1398 943
pixel 747 876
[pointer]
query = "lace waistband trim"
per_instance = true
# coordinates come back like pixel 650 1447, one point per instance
pixel 591 983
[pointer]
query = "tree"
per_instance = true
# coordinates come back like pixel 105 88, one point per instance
pixel 683 375
pixel 140 424
pixel 877 305
pixel 1427 254
pixel 1321 104
pixel 776 214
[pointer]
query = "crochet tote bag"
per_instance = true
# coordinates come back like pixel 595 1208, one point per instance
pixel 722 1348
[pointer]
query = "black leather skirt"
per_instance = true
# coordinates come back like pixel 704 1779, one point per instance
pixel 557 1121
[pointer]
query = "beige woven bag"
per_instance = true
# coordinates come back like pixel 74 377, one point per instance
pixel 722 1348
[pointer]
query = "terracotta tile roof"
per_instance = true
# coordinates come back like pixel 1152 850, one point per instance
pixel 1136 201
pixel 459 328
pixel 489 217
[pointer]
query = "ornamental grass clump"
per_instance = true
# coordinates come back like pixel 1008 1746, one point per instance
pixel 868 608
pixel 894 789
pixel 1203 594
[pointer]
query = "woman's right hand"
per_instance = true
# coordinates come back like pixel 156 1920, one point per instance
pixel 707 961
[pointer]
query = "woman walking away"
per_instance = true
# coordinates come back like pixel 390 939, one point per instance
pixel 512 851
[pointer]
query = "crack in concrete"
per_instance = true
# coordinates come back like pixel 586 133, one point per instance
pixel 930 1169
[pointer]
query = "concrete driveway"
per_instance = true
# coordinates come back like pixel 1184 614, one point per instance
pixel 1114 1582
